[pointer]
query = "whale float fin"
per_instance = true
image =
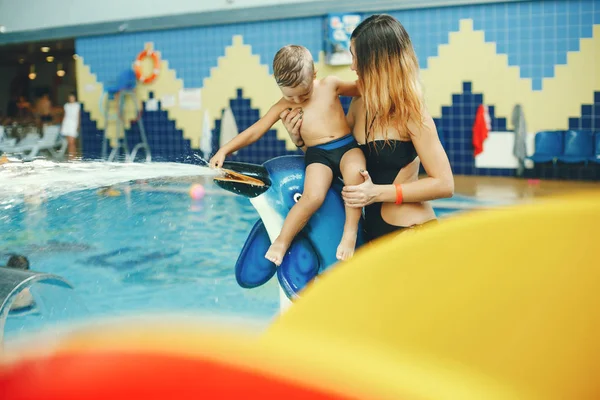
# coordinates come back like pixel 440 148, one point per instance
pixel 300 265
pixel 252 269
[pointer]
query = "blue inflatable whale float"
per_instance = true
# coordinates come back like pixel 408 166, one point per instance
pixel 273 188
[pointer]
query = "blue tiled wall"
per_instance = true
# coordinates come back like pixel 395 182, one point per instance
pixel 261 151
pixel 165 140
pixel 193 51
pixel 535 35
pixel 590 116
pixel 455 127
pixel 91 137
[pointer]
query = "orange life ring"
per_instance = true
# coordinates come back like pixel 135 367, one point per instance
pixel 155 66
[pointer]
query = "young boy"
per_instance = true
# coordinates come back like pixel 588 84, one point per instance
pixel 331 149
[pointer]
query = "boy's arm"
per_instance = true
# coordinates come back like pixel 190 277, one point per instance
pixel 254 132
pixel 344 88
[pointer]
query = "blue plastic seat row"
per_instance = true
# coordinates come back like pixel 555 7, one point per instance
pixel 567 146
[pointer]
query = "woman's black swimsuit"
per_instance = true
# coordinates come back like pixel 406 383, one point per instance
pixel 385 159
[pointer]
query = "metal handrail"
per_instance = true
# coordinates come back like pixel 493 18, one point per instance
pixel 13 281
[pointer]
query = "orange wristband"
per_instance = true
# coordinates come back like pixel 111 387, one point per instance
pixel 399 196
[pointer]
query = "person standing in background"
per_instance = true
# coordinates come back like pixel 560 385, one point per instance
pixel 71 123
pixel 43 109
pixel 24 107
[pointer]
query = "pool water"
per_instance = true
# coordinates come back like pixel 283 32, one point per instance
pixel 146 250
pixel 150 248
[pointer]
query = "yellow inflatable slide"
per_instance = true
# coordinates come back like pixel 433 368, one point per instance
pixel 500 304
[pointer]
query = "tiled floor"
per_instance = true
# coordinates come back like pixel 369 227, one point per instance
pixel 506 190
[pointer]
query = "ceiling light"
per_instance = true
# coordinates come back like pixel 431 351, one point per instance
pixel 59 70
pixel 45 49
pixel 50 58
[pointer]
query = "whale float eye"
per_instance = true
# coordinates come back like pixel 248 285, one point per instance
pixel 297 197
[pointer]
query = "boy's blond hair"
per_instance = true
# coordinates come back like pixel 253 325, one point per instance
pixel 293 65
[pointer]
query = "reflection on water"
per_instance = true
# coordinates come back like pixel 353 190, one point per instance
pixel 143 246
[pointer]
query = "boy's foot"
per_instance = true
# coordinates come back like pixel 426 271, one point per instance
pixel 346 247
pixel 276 252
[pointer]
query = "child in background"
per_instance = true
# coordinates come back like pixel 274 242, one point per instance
pixel 331 150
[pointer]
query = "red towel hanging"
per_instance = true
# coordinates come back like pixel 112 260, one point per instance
pixel 481 128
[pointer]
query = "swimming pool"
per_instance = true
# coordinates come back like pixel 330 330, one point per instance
pixel 151 248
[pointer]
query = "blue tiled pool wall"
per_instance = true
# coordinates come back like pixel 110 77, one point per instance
pixel 536 36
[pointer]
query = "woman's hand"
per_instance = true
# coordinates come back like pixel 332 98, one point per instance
pixel 292 121
pixel 362 195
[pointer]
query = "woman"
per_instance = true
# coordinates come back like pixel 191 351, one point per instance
pixel 70 123
pixel 395 131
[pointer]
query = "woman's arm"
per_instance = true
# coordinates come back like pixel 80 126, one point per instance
pixel 438 184
pixel 350 116
pixel 343 88
pixel 292 121
pixel 440 181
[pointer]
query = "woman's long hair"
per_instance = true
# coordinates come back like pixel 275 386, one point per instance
pixel 388 72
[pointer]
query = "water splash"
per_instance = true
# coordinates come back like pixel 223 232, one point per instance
pixel 45 179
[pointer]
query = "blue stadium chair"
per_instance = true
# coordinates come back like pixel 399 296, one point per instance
pixel 596 156
pixel 548 146
pixel 579 147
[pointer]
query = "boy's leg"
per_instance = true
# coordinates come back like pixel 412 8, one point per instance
pixel 317 182
pixel 350 165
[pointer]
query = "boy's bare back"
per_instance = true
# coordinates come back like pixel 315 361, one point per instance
pixel 323 117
